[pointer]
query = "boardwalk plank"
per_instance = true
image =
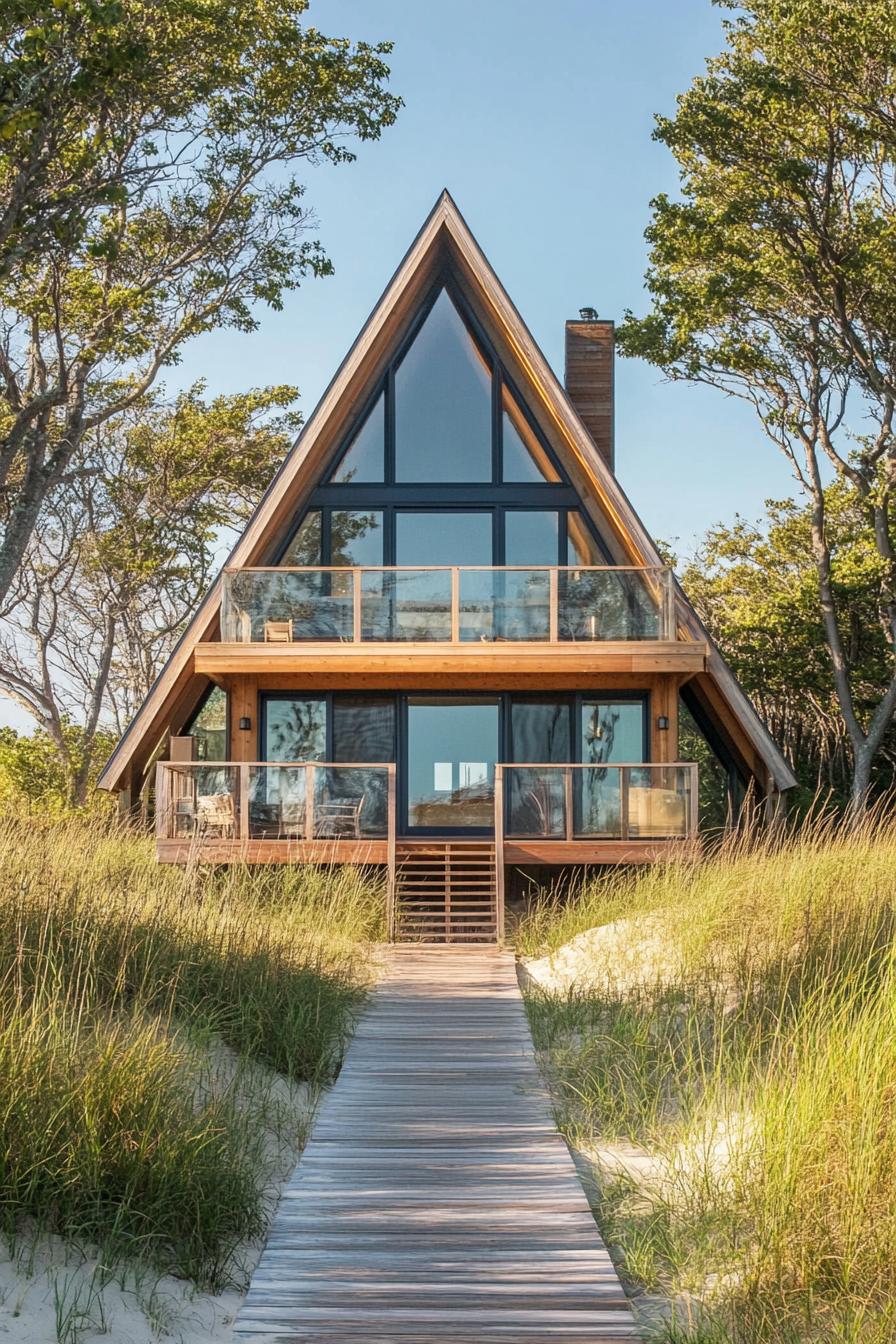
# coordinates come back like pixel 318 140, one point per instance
pixel 435 1199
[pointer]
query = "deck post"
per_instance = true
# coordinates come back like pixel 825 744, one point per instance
pixel 694 800
pixel 309 801
pixel 244 801
pixel 390 852
pixel 499 853
pixel 667 623
pixel 356 606
pixel 624 781
pixel 567 801
pixel 553 606
pixel 163 801
pixel 455 604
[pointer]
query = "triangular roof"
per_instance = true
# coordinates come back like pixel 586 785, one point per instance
pixel 444 242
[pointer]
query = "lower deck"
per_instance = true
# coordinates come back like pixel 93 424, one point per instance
pixel 375 853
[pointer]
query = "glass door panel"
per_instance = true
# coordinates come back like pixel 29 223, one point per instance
pixel 363 730
pixel 611 731
pixel 536 798
pixel 452 747
pixel 295 729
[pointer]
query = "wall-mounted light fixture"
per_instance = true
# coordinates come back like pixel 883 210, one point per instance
pixel 662 723
pixel 245 723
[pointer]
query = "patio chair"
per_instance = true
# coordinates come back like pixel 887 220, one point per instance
pixel 336 817
pixel 215 815
pixel 278 632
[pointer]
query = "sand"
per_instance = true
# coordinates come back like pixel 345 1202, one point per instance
pixel 52 1289
pixel 617 959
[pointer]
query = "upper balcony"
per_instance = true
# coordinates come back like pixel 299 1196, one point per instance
pixel 537 617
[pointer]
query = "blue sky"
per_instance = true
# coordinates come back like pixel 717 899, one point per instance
pixel 538 119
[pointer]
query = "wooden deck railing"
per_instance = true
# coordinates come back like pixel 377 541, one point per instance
pixel 449 604
pixel 318 805
pixel 588 802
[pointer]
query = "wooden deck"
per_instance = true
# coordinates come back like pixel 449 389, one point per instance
pixel 435 1199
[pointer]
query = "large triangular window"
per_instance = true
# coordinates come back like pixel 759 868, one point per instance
pixel 525 459
pixel 443 403
pixel 364 459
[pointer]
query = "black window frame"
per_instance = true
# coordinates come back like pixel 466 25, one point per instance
pixel 390 495
pixel 505 699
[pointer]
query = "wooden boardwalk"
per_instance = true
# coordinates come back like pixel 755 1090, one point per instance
pixel 435 1199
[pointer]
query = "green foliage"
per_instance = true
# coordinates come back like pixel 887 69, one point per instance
pixel 34 775
pixel 773 278
pixel 122 553
pixel 147 195
pixel 755 586
pixel 119 980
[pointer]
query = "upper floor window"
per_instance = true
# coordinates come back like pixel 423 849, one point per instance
pixel 443 403
pixel 433 421
pixel 363 462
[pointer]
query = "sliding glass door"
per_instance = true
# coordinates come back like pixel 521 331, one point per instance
pixel 451 747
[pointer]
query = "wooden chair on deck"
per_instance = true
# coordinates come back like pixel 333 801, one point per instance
pixel 278 632
pixel 339 817
pixel 215 815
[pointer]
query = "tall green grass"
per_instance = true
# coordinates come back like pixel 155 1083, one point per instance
pixel 115 974
pixel 756 1081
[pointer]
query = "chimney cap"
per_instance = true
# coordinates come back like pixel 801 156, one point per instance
pixel 588 314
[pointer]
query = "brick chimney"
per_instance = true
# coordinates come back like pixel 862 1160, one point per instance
pixel 589 376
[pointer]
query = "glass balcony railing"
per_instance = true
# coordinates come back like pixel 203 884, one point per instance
pixel 302 800
pixel 597 802
pixel 537 604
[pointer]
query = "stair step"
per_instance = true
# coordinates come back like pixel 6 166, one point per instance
pixel 446 891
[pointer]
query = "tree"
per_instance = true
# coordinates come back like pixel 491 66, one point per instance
pixel 755 587
pixel 146 196
pixel 112 576
pixel 773 278
pixel 33 775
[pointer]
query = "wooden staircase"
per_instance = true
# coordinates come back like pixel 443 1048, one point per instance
pixel 446 891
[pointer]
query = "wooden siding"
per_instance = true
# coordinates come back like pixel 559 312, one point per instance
pixel 400 664
pixel 589 380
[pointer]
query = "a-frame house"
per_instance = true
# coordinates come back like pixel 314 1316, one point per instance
pixel 445 643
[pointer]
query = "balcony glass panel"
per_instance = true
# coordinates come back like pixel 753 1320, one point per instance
pixel 415 603
pixel 344 802
pixel 406 605
pixel 512 604
pixel 606 604
pixel 600 802
pixel 536 802
pixel 282 607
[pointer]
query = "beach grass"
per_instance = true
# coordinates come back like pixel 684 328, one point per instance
pixel 117 979
pixel 738 1107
